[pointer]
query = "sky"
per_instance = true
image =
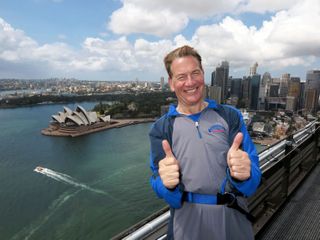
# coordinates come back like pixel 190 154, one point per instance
pixel 128 39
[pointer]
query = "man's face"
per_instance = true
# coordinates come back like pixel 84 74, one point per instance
pixel 187 80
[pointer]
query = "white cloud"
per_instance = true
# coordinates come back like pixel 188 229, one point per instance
pixel 290 38
pixel 165 17
pixel 158 22
pixel 262 6
pixel 193 9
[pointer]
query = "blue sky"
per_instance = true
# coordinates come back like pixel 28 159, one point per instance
pixel 127 39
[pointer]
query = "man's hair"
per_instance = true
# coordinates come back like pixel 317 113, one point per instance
pixel 183 51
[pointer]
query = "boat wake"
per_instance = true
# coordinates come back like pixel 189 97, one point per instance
pixel 64 178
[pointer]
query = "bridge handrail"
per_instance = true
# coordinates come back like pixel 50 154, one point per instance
pixel 267 158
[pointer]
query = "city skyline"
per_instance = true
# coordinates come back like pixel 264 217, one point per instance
pixel 124 40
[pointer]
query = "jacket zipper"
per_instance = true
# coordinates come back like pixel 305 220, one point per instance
pixel 197 126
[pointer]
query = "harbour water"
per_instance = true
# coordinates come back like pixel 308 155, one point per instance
pixel 95 185
pixel 98 184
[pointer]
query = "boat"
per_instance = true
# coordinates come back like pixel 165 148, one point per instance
pixel 39 169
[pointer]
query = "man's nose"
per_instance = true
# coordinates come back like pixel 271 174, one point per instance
pixel 189 80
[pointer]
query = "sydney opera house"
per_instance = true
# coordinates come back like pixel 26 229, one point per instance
pixel 75 123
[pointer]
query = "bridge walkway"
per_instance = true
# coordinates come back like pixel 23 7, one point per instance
pixel 299 218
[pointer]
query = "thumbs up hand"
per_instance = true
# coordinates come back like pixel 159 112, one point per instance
pixel 169 167
pixel 238 161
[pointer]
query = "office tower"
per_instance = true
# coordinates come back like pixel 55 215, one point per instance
pixel 220 79
pixel 263 90
pixel 293 92
pixel 244 100
pixel 235 87
pixel 254 85
pixel 274 90
pixel 162 83
pixel 215 93
pixel 294 87
pixel 311 100
pixel 253 69
pixel 284 81
pixel 312 97
pixel 235 90
pixel 302 95
pixel 213 75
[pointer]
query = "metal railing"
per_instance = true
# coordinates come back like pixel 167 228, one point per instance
pixel 284 165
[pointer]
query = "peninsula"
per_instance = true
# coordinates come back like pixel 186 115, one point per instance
pixel 80 122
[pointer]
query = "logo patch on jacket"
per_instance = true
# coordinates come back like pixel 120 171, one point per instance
pixel 216 128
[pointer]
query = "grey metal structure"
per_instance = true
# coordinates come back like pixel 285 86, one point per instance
pixel 284 165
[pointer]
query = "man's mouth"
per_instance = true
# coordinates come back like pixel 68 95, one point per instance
pixel 193 90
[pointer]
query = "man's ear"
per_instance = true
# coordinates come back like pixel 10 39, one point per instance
pixel 170 81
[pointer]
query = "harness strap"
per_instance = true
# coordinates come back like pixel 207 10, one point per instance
pixel 228 199
pixel 199 198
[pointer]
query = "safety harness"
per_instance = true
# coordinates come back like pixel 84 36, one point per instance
pixel 221 198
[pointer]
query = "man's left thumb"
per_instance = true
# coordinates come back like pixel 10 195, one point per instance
pixel 237 141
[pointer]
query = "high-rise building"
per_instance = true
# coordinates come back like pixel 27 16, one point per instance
pixel 294 87
pixel 302 95
pixel 311 100
pixel 220 78
pixel 312 83
pixel 254 85
pixel 235 87
pixel 253 69
pixel 293 93
pixel 244 102
pixel 263 90
pixel 284 82
pixel 274 90
pixel 215 93
pixel 162 83
pixel 235 91
pixel 213 75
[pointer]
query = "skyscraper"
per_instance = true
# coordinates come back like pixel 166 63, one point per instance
pixel 220 78
pixel 253 69
pixel 254 85
pixel 162 83
pixel 293 94
pixel 284 82
pixel 263 90
pixel 312 90
pixel 244 102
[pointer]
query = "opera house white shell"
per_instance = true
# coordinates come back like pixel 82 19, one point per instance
pixel 79 117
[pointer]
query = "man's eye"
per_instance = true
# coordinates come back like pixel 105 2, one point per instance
pixel 181 78
pixel 196 73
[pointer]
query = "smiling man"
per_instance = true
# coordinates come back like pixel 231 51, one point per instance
pixel 203 161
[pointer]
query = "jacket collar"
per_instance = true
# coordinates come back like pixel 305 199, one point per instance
pixel 173 108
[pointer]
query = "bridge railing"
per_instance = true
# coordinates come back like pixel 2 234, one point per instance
pixel 284 165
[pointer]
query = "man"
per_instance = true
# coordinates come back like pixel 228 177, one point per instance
pixel 203 161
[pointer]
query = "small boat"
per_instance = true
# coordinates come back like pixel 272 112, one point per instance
pixel 38 169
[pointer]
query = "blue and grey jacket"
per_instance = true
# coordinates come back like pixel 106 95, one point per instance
pixel 200 143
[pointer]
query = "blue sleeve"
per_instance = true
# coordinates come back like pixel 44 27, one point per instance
pixel 249 186
pixel 172 197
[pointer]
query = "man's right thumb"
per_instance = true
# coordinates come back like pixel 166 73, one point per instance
pixel 166 148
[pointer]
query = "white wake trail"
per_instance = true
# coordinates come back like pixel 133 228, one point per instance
pixel 61 177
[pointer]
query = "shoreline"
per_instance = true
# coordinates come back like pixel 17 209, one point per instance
pixel 84 130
